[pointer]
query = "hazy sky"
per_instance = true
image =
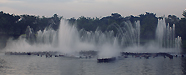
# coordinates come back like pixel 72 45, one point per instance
pixel 92 8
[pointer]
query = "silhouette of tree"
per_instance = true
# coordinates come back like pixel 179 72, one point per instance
pixel 184 13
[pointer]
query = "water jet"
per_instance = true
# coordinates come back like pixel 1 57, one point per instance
pixel 68 40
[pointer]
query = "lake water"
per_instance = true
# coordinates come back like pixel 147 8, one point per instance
pixel 35 65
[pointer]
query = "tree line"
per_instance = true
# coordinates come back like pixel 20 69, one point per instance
pixel 15 25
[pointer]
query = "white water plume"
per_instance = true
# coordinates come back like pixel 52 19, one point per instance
pixel 165 37
pixel 67 39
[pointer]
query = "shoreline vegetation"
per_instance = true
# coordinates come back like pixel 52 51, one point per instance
pixel 12 26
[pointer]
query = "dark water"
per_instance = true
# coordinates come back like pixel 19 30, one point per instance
pixel 34 65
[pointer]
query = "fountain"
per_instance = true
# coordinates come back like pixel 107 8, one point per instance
pixel 165 37
pixel 69 40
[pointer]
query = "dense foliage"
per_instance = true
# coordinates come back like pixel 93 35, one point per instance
pixel 15 25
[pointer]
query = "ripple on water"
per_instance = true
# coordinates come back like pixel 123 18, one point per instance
pixel 34 65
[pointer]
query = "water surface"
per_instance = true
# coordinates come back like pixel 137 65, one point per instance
pixel 35 65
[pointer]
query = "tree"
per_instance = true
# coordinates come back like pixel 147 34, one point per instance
pixel 72 21
pixel 184 13
pixel 148 24
pixel 55 21
pixel 172 19
pixel 180 31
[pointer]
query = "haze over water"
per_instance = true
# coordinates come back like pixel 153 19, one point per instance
pixel 69 40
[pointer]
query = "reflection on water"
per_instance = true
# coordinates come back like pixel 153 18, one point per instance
pixel 183 66
pixel 34 65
